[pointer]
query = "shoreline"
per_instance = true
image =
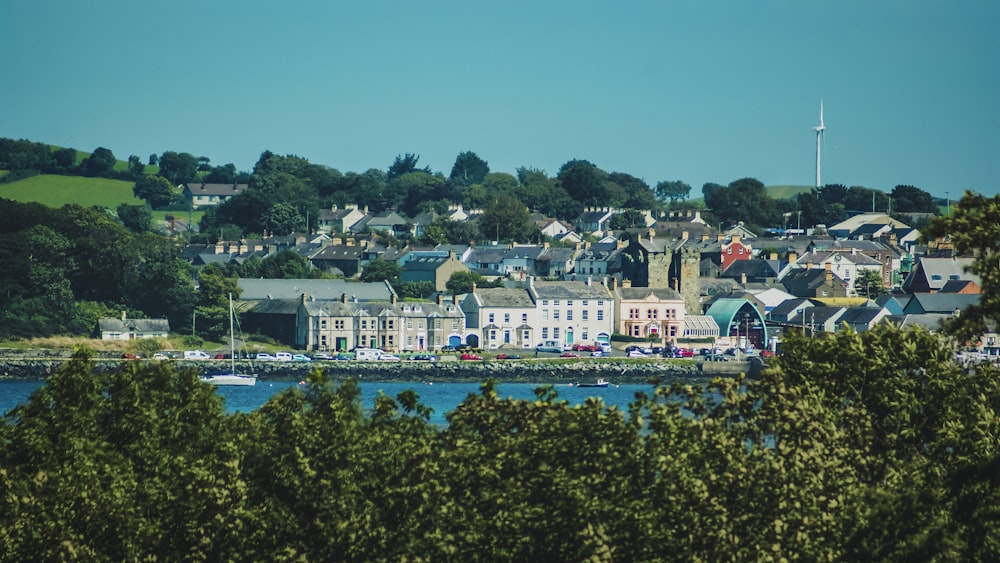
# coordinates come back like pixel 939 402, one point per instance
pixel 542 371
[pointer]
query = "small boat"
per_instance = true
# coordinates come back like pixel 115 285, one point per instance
pixel 232 377
pixel 600 383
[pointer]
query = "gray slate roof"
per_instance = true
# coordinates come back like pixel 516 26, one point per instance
pixel 264 289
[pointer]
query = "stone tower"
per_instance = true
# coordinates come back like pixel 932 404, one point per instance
pixel 658 269
pixel 690 279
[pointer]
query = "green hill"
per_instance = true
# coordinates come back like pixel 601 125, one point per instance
pixel 55 191
pixel 786 192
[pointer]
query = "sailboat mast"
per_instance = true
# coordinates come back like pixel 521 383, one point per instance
pixel 232 334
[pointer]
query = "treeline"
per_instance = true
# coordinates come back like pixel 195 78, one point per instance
pixel 62 269
pixel 286 193
pixel 860 447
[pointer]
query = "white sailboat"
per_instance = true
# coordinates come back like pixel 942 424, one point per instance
pixel 232 377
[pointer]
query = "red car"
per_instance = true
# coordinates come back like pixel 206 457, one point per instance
pixel 685 353
pixel 469 356
pixel 569 355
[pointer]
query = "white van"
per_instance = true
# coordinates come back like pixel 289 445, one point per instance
pixel 283 356
pixel 368 354
pixel 195 355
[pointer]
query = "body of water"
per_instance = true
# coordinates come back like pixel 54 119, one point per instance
pixel 441 397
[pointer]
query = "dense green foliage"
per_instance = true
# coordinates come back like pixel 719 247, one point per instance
pixel 859 447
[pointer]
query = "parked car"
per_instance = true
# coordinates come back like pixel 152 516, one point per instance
pixel 569 355
pixel 388 358
pixel 322 356
pixel 471 356
pixel 597 354
pixel 131 356
pixel 264 357
pixel 424 358
pixel 160 356
pixel 716 358
pixel 685 353
pixel 508 357
pixel 636 354
pixel 283 356
pixel 301 358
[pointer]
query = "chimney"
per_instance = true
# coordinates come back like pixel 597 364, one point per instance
pixel 392 298
pixel 440 299
pixel 123 316
pixel 719 237
pixel 473 287
pixel 854 250
pixel 736 239
pixel 828 267
pixel 792 257
pixel 589 281
pixel 626 283
pixel 454 299
pixel 773 256
pixel 809 265
pixel 684 235
pixel 743 278
pixel 343 298
pixel 303 298
pixel 829 275
pixel 704 237
pixel 613 284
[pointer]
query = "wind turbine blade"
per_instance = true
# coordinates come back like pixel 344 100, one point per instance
pixel 821 112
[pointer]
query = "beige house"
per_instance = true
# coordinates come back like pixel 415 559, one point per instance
pixel 435 269
pixel 648 311
pixel 204 195
pixel 341 325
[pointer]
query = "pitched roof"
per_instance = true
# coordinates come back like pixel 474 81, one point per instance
pixel 214 189
pixel 323 289
pixel 133 325
pixel 571 290
pixel 640 293
pixel 504 297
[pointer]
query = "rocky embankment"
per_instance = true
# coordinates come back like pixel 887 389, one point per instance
pixel 36 364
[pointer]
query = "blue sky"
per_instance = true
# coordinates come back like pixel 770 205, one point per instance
pixel 664 90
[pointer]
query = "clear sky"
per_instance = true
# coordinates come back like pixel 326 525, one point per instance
pixel 698 91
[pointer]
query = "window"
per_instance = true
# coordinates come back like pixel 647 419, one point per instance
pixel 493 335
pixel 420 324
pixel 322 323
pixel 585 315
pixel 585 302
pixel 545 302
pixel 491 318
pixel 409 341
pixel 673 331
pixel 600 302
pixel 545 314
pixel 569 302
pixel 555 333
pixel 545 333
pixel 569 314
pixel 633 313
pixel 584 336
pixel 555 302
pixel 635 330
pixel 454 325
pixel 524 318
pixel 437 324
pixel 600 315
pixel 409 324
pixel 339 325
pixel 506 318
pixel 555 315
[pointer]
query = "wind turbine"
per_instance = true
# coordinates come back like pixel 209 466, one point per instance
pixel 819 140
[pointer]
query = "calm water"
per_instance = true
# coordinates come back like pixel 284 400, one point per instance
pixel 442 397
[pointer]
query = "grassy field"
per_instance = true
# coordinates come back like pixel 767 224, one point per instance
pixel 786 192
pixel 56 191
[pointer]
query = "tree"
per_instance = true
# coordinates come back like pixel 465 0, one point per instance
pixel 974 230
pixel 628 219
pixel 461 282
pixel 506 218
pixel 100 163
pixel 744 200
pixel 136 218
pixel 868 283
pixel 404 165
pixel 468 169
pixel 583 181
pixel 283 219
pixel 673 191
pixel 155 190
pixel 135 166
pixel 178 168
pixel 380 270
pixel 910 199
pixel 65 159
